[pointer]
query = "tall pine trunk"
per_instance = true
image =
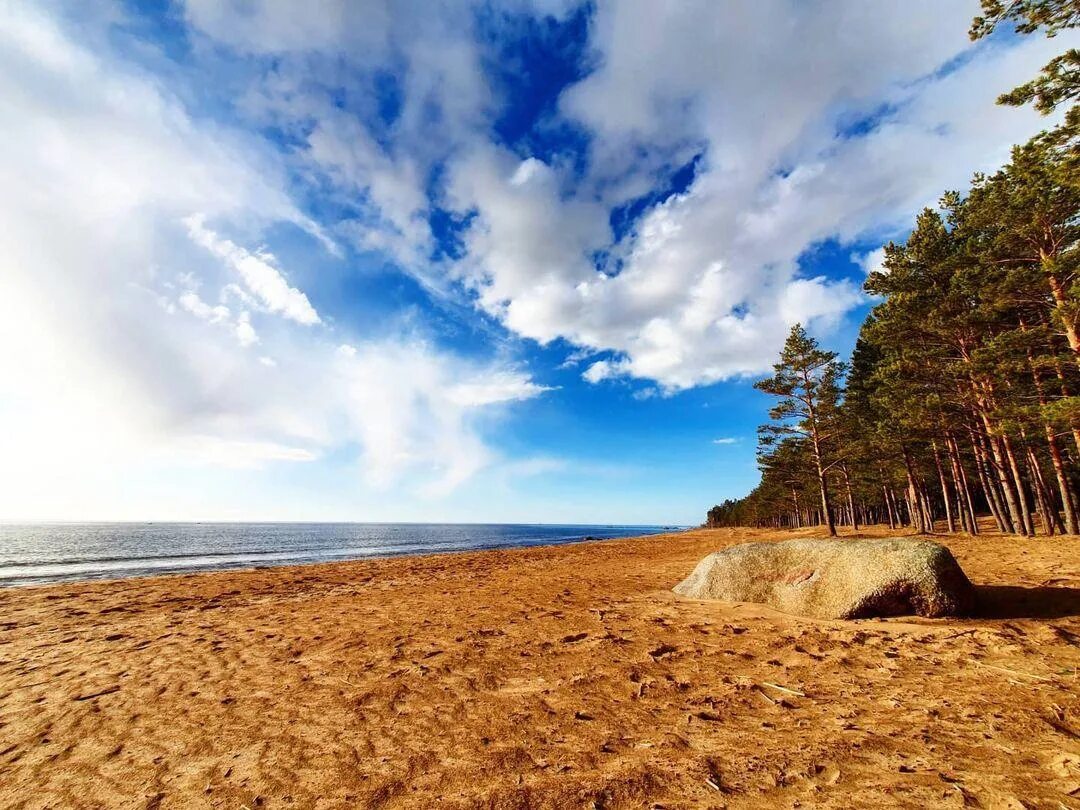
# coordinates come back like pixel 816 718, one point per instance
pixel 945 494
pixel 999 468
pixel 989 487
pixel 826 507
pixel 919 519
pixel 1065 392
pixel 888 506
pixel 1068 503
pixel 1018 482
pixel 961 481
pixel 1043 497
pixel 823 484
pixel 850 497
pixel 1062 304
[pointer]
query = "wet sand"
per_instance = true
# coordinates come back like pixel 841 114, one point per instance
pixel 548 677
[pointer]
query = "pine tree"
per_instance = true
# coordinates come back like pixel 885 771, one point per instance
pixel 1059 80
pixel 807 381
pixel 964 391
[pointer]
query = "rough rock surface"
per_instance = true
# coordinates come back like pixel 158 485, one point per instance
pixel 836 579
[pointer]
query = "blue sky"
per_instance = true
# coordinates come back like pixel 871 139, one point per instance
pixel 448 261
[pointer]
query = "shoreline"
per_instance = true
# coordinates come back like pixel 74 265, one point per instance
pixel 545 676
pixel 225 567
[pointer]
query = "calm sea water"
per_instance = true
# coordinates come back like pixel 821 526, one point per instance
pixel 32 554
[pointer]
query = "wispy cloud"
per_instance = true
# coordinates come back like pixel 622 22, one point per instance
pixel 258 272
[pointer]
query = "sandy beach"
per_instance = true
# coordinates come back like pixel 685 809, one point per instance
pixel 548 677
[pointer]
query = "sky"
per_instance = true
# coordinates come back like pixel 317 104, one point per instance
pixel 388 260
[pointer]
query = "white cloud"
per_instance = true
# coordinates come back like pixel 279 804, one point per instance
pixel 124 317
pixel 646 393
pixel 872 262
pixel 241 327
pixel 245 332
pixel 445 103
pixel 270 26
pixel 342 147
pixel 491 388
pixel 416 413
pixel 125 312
pixel 709 283
pixel 601 370
pixel 840 141
pixel 236 454
pixel 527 254
pixel 191 301
pixel 97 165
pixel 576 357
pixel 725 440
pixel 265 281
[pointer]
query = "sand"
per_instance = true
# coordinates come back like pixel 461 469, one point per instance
pixel 549 677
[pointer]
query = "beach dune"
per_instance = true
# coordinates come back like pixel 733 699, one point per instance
pixel 547 677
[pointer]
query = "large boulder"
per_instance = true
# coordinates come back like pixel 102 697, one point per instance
pixel 836 579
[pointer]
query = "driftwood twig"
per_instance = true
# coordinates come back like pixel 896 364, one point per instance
pixel 795 692
pixel 92 695
pixel 1013 671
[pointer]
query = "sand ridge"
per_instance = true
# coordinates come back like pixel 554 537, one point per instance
pixel 547 677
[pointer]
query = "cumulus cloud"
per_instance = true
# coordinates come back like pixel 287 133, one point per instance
pixel 528 252
pixel 398 227
pixel 601 370
pixel 795 144
pixel 812 144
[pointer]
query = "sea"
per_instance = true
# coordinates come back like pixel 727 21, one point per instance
pixel 40 553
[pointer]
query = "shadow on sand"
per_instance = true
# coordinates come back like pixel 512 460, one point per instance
pixel 1018 602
